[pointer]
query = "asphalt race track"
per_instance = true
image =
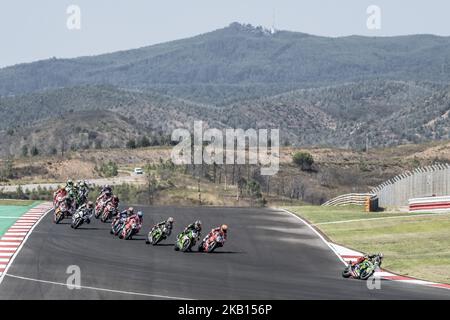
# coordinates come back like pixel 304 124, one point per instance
pixel 269 255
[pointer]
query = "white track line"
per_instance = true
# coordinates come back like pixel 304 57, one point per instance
pixel 317 233
pixel 100 289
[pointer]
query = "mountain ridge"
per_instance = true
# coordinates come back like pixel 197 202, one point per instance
pixel 243 55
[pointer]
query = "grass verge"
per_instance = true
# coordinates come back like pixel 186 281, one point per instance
pixel 416 245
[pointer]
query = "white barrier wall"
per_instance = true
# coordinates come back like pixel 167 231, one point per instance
pixel 422 182
pixel 430 204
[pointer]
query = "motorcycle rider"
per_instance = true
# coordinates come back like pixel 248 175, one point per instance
pixel 82 192
pixel 106 192
pixel 364 258
pixel 58 196
pixel 69 186
pixel 167 224
pixel 115 201
pixel 222 230
pixel 88 210
pixel 71 200
pixel 196 227
pixel 122 216
pixel 105 196
pixel 83 189
pixel 138 217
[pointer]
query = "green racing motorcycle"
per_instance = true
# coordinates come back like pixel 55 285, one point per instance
pixel 156 235
pixel 185 241
pixel 363 270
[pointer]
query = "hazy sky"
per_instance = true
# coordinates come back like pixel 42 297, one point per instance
pixel 36 29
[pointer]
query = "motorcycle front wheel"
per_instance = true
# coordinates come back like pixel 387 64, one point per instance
pixel 346 273
pixel 76 223
pixel 156 239
pixel 186 245
pixel 58 217
pixel 366 274
pixel 212 247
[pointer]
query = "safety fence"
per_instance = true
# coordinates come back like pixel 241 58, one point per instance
pixel 422 182
pixel 349 199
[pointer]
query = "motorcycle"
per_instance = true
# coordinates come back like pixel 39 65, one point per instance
pixel 130 228
pixel 186 241
pixel 78 219
pixel 117 225
pixel 363 270
pixel 58 197
pixel 156 235
pixel 99 207
pixel 61 212
pixel 80 200
pixel 211 242
pixel 108 212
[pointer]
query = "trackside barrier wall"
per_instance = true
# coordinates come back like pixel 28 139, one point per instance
pixel 430 204
pixel 422 182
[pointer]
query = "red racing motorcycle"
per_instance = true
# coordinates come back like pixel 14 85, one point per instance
pixel 59 196
pixel 109 211
pixel 131 228
pixel 211 242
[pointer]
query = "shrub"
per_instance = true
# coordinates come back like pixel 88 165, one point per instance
pixel 303 159
pixel 109 169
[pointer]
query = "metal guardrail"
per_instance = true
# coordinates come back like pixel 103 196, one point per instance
pixel 349 199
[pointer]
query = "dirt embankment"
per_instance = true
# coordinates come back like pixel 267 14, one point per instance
pixel 335 171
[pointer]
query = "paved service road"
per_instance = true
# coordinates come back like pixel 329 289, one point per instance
pixel 270 255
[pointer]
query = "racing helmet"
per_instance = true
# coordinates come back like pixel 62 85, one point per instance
pixel 198 224
pixel 90 204
pixel 224 228
pixel 140 214
pixel 170 220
